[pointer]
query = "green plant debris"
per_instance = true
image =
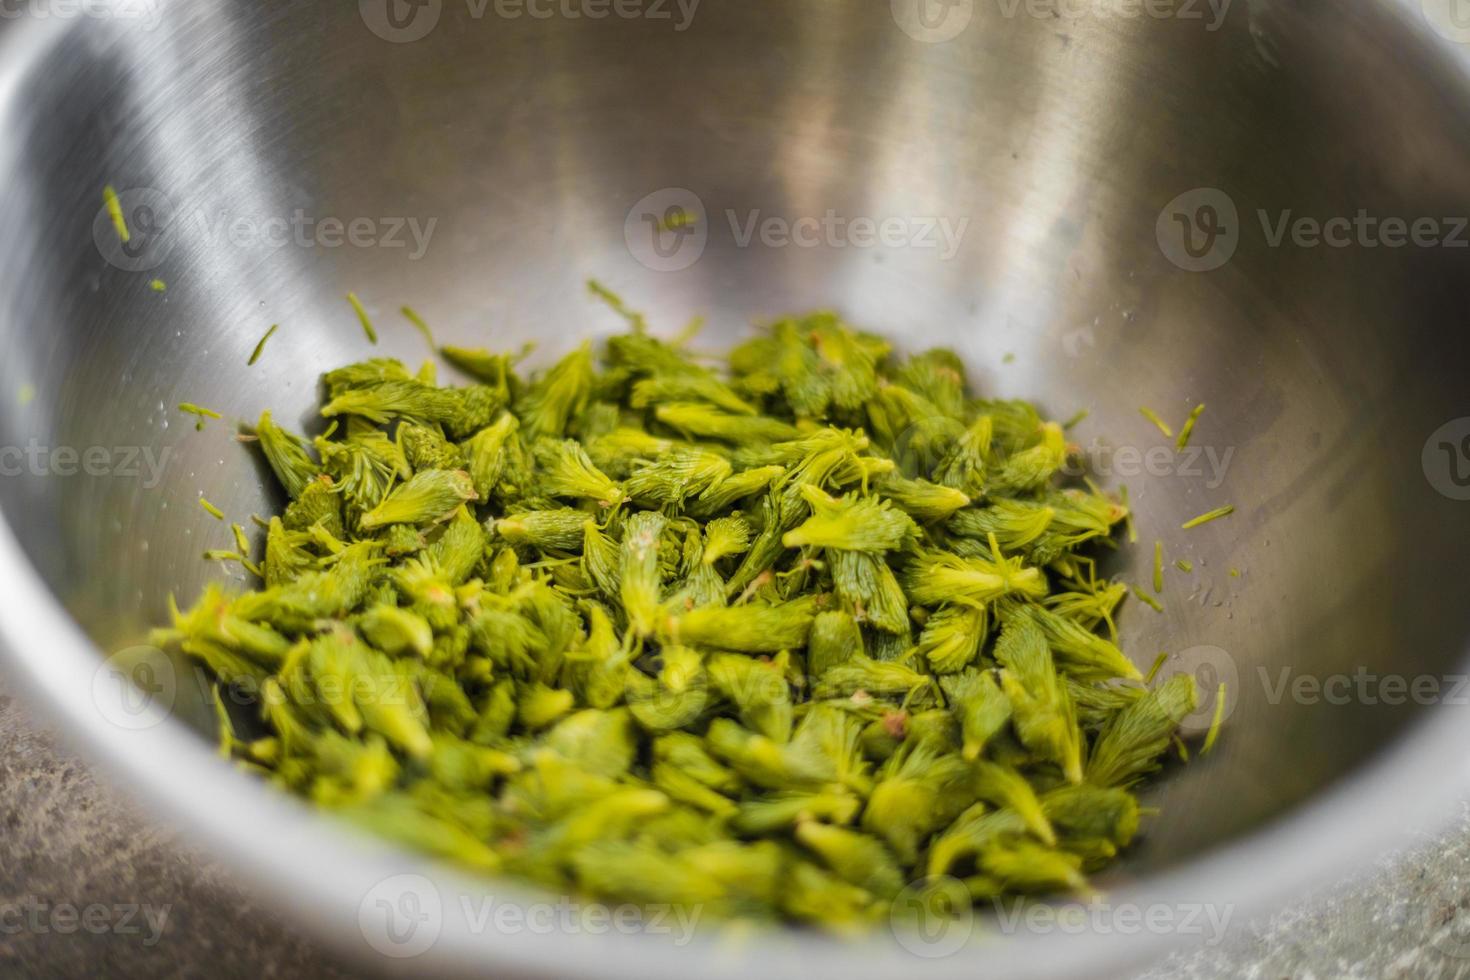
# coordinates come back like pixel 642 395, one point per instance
pixel 615 302
pixel 1157 665
pixel 115 212
pixel 1076 419
pixel 1235 573
pixel 241 554
pixel 779 638
pixel 1215 722
pixel 1158 566
pixel 1184 565
pixel 158 286
pixel 223 554
pixel 677 218
pixel 260 347
pixel 201 415
pixel 1206 518
pixel 25 395
pixel 1188 429
pixel 420 325
pixel 211 509
pixel 1149 600
pixel 363 318
pixel 1130 528
pixel 1158 422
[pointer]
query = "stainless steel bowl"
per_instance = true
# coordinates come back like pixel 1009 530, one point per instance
pixel 1082 198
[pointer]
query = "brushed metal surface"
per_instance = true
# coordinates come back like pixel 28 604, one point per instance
pixel 1019 191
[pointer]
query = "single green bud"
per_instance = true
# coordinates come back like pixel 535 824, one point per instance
pixel 430 497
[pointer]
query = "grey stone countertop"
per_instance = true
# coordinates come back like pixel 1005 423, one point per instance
pixel 91 888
